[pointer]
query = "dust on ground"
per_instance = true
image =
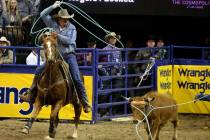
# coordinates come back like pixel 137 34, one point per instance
pixel 191 127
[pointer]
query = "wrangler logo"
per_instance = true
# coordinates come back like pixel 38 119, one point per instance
pixel 5 94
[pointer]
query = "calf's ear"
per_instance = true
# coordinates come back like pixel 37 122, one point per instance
pixel 149 99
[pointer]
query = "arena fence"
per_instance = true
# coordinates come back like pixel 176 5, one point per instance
pixel 107 82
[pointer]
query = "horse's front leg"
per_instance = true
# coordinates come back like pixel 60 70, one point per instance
pixel 77 111
pixel 54 120
pixel 36 109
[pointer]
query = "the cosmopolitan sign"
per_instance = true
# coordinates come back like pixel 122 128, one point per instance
pixel 194 4
pixel 106 1
pixel 144 7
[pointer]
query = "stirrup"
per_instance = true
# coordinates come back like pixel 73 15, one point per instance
pixel 26 96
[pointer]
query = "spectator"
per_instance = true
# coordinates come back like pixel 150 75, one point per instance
pixel 32 58
pixel 13 13
pixel 27 13
pixel 91 43
pixel 114 55
pixel 6 55
pixel 86 58
pixel 4 6
pixel 160 43
pixel 14 30
pixel 150 43
pixel 144 54
pixel 26 9
pixel 4 21
pixel 140 67
pixel 161 53
pixel 131 53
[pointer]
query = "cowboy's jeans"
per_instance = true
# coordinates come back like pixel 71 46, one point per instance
pixel 75 73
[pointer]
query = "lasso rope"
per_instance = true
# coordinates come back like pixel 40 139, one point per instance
pixel 146 72
pixel 87 17
pixel 84 15
pixel 154 108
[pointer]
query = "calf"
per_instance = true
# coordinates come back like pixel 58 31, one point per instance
pixel 158 117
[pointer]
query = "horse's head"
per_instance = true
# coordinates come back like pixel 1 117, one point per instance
pixel 49 41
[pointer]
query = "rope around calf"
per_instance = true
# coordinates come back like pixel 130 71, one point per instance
pixel 154 108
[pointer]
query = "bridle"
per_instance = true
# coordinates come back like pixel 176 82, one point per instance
pixel 48 46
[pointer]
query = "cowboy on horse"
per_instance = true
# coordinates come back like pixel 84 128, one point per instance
pixel 66 35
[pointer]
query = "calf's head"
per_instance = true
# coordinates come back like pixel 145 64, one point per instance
pixel 142 103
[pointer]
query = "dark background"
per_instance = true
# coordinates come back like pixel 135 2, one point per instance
pixel 142 7
pixel 177 24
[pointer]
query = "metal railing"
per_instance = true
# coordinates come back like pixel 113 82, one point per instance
pixel 15 34
pixel 108 88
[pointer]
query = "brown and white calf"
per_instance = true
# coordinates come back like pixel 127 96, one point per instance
pixel 158 117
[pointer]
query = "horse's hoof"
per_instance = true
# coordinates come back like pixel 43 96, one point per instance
pixel 74 136
pixel 25 130
pixel 48 138
pixel 71 137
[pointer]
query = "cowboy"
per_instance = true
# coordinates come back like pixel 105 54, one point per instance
pixel 6 55
pixel 113 56
pixel 66 34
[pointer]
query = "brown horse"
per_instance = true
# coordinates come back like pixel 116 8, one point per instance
pixel 54 89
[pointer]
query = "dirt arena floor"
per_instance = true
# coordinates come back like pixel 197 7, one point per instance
pixel 191 127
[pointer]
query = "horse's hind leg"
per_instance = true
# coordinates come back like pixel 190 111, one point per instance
pixel 36 110
pixel 54 120
pixel 77 111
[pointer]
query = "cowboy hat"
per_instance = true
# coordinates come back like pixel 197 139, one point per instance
pixel 4 39
pixel 63 13
pixel 111 34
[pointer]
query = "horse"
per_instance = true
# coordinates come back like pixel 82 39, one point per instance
pixel 54 89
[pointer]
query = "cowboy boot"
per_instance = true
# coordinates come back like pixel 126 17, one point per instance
pixel 87 108
pixel 30 94
pixel 84 100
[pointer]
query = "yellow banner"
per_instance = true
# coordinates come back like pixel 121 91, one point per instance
pixel 164 79
pixel 189 80
pixel 12 85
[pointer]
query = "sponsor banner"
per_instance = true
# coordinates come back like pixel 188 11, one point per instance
pixel 189 80
pixel 164 79
pixel 12 85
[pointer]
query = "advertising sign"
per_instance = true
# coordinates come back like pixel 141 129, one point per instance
pixel 145 7
pixel 164 80
pixel 12 85
pixel 189 80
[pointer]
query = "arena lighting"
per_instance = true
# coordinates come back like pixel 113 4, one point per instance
pixel 145 7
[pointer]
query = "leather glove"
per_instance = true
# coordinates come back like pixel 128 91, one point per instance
pixel 56 4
